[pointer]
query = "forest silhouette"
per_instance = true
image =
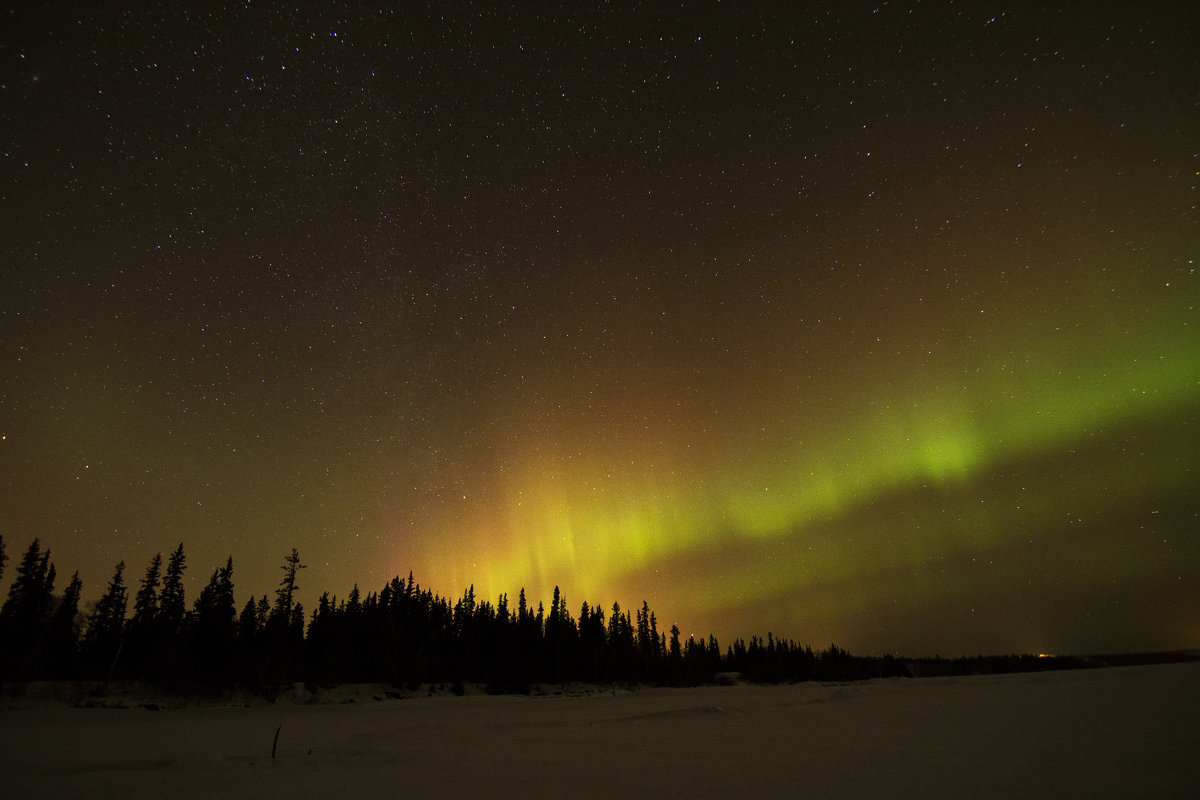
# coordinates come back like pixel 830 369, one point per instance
pixel 403 634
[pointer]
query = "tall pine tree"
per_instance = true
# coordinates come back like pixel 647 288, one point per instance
pixel 61 655
pixel 215 618
pixel 145 605
pixel 285 594
pixel 25 613
pixel 106 627
pixel 171 606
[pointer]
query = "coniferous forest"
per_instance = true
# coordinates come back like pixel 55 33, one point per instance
pixel 143 628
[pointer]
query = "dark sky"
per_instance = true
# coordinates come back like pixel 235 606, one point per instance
pixel 865 323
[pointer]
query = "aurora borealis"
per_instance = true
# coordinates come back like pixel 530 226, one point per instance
pixel 864 323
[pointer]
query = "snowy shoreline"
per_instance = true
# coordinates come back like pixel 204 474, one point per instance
pixel 1115 732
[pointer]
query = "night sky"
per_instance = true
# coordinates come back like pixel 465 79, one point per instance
pixel 872 324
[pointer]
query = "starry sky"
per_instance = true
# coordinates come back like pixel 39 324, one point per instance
pixel 867 323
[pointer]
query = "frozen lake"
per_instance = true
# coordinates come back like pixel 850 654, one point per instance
pixel 1117 732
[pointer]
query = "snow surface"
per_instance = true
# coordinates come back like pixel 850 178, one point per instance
pixel 1116 732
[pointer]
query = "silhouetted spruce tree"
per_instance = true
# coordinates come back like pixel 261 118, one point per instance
pixel 505 671
pixel 348 637
pixel 552 620
pixel 735 657
pixel 592 653
pixel 502 615
pixel 552 640
pixel 249 666
pixel 281 613
pixel 392 623
pixel 24 615
pixel 145 604
pixel 649 647
pixel 3 557
pixel 166 649
pixel 526 649
pixel 643 632
pixel 141 656
pixel 401 624
pixel 61 654
pixel 262 610
pixel 106 628
pixel 284 631
pixel 467 641
pixel 674 658
pixel 560 641
pixel 697 669
pixel 215 626
pixel 247 641
pixel 323 656
pixel 171 603
pixel 296 626
pixel 622 658
pixel 247 622
pixel 432 623
pixel 496 635
pixel 713 665
pixel 658 643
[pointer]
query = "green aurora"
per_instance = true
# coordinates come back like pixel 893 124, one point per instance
pixel 1023 458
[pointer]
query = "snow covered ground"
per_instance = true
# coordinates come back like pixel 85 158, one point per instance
pixel 1118 732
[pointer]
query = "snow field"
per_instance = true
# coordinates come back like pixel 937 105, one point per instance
pixel 1117 732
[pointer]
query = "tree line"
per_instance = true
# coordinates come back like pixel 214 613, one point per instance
pixel 402 634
